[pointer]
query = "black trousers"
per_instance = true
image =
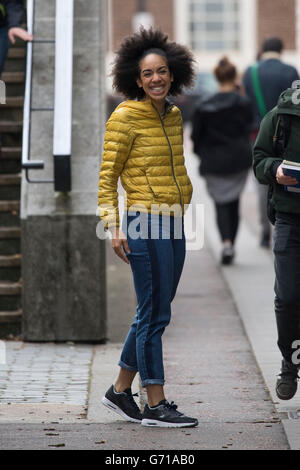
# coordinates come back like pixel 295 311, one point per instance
pixel 287 286
pixel 3 47
pixel 228 219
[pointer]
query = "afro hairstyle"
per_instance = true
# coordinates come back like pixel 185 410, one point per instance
pixel 126 68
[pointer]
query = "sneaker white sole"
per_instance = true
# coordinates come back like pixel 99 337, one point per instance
pixel 111 406
pixel 161 424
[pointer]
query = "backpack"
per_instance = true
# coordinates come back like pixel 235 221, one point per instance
pixel 286 114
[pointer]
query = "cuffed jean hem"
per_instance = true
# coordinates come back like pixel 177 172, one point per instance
pixel 126 366
pixel 152 382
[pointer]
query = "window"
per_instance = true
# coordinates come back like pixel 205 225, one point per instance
pixel 215 25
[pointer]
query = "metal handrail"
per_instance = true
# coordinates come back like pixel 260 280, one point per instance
pixel 62 127
pixel 26 162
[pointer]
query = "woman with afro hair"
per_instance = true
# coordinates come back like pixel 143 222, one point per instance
pixel 143 145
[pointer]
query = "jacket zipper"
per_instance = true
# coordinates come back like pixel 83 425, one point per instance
pixel 171 153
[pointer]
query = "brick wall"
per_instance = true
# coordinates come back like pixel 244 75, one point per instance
pixel 123 11
pixel 277 18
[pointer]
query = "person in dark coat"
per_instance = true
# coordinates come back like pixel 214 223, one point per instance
pixel 274 76
pixel 220 134
pixel 11 15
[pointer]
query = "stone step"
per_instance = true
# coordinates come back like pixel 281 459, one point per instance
pixel 10 295
pixel 13 127
pixel 11 316
pixel 13 77
pixel 10 192
pixel 10 166
pixel 10 324
pixel 11 139
pixel 16 53
pixel 10 180
pixel 13 102
pixel 10 160
pixel 9 233
pixel 10 246
pixel 10 302
pixel 11 153
pixel 10 288
pixel 10 206
pixel 10 268
pixel 10 261
pixel 9 213
pixel 10 240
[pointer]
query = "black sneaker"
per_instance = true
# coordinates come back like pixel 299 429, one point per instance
pixel 227 255
pixel 286 385
pixel 123 403
pixel 165 415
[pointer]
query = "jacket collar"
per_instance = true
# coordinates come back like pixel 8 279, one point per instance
pixel 270 55
pixel 149 103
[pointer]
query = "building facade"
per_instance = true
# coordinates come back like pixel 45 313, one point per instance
pixel 215 27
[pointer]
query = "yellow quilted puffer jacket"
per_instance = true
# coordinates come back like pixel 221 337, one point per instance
pixel 146 151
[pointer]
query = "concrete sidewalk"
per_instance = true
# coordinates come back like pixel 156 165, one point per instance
pixel 210 374
pixel 222 329
pixel 250 281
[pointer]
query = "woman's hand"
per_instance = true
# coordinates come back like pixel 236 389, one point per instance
pixel 281 178
pixel 119 243
pixel 17 32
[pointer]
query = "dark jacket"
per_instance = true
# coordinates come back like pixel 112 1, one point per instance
pixel 11 13
pixel 274 77
pixel 267 158
pixel 221 126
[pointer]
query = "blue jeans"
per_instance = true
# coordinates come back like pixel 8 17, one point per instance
pixel 3 47
pixel 287 284
pixel 156 262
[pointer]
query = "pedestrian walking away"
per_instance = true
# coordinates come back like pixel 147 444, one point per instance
pixel 11 15
pixel 278 139
pixel 220 134
pixel 143 145
pixel 264 81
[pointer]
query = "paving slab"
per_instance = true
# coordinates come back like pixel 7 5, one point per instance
pixel 119 436
pixel 44 382
pixel 41 413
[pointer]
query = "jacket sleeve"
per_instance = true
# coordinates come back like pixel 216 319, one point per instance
pixel 14 12
pixel 118 141
pixel 264 157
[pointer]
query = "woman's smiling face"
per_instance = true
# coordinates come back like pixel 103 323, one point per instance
pixel 155 78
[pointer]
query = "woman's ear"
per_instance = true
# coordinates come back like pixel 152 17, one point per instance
pixel 139 83
pixel 172 77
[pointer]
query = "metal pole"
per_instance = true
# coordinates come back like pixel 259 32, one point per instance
pixel 62 126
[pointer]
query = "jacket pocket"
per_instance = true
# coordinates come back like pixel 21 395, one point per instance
pixel 154 194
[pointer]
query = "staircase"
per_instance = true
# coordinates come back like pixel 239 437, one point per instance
pixel 10 180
